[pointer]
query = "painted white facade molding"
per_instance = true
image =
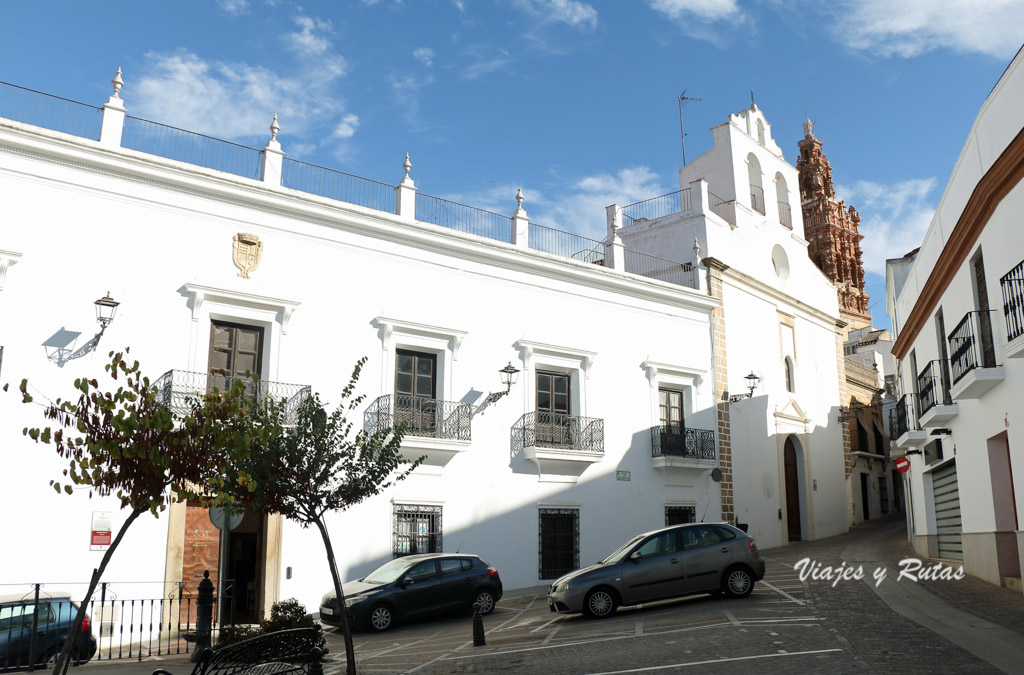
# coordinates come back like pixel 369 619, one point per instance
pixel 8 259
pixel 388 327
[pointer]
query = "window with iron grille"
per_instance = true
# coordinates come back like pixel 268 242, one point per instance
pixel 416 529
pixel 678 515
pixel 559 534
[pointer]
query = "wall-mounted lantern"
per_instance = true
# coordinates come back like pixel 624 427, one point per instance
pixel 752 382
pixel 508 375
pixel 106 308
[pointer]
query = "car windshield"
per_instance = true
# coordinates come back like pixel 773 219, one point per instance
pixel 388 572
pixel 621 552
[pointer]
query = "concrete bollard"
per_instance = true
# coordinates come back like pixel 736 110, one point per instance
pixel 478 626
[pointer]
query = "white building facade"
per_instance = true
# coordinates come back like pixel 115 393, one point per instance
pixel 956 307
pixel 785 456
pixel 240 259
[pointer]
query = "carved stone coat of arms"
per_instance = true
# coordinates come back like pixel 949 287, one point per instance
pixel 247 251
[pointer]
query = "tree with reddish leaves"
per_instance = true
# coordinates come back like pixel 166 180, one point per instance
pixel 127 444
pixel 319 465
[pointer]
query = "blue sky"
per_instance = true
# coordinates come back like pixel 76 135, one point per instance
pixel 572 100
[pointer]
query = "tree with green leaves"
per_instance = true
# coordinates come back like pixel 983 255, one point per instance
pixel 319 465
pixel 126 443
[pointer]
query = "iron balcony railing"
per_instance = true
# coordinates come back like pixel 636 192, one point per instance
pixel 468 219
pixel 50 112
pixel 158 139
pixel 785 215
pixel 657 207
pixel 681 274
pixel 429 417
pixel 566 244
pixel 337 185
pixel 757 198
pixel 564 432
pixel 175 388
pixel 719 206
pixel 671 440
pixel 1013 301
pixel 933 387
pixel 971 345
pixel 903 416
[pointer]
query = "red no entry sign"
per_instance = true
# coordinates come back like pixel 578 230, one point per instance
pixel 903 464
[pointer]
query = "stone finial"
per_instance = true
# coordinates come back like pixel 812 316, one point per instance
pixel 696 250
pixel 519 197
pixel 118 83
pixel 808 128
pixel 407 165
pixel 274 128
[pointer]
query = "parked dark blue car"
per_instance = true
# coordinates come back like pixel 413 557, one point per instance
pixel 52 617
pixel 415 586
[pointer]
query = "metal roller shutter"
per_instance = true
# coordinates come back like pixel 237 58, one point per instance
pixel 947 512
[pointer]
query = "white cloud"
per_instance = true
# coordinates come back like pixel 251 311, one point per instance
pixel 705 10
pixel 232 100
pixel 459 5
pixel 314 37
pixel 406 90
pixel 347 127
pixel 575 14
pixel 234 7
pixel 912 27
pixel 425 55
pixel 894 218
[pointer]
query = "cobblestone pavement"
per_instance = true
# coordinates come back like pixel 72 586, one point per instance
pixel 785 626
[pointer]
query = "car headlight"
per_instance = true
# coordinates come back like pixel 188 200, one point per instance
pixel 351 601
pixel 567 586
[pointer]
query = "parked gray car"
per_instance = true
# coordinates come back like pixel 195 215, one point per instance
pixel 669 563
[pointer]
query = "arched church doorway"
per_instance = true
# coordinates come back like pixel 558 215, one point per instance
pixel 792 479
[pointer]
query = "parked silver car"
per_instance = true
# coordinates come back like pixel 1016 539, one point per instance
pixel 668 563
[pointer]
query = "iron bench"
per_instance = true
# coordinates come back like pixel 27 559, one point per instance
pixel 286 651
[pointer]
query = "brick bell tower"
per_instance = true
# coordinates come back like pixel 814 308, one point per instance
pixel 832 231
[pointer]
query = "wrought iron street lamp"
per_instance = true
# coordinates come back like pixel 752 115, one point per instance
pixel 508 375
pixel 106 308
pixel 752 382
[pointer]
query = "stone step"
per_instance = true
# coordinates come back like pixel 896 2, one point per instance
pixel 1014 583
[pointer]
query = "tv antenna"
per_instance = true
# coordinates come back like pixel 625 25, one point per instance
pixel 682 136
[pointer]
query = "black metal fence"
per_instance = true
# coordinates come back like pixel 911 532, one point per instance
pixel 564 432
pixel 337 185
pixel 903 416
pixel 33 627
pixel 468 219
pixel 428 417
pixel 566 244
pixel 657 207
pixel 681 274
pixel 720 207
pixel 671 440
pixel 932 386
pixel 169 142
pixel 1012 285
pixel 176 388
pixel 757 198
pixel 971 345
pixel 50 112
pixel 785 215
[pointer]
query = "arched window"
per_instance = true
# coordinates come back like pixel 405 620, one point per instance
pixel 756 188
pixel 782 195
pixel 790 383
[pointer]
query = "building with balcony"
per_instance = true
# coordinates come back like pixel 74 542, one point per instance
pixel 229 260
pixel 786 458
pixel 957 305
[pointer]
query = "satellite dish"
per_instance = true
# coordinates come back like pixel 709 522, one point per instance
pixel 225 520
pixel 716 475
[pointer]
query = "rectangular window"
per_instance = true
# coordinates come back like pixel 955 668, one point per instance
pixel 670 408
pixel 559 534
pixel 416 391
pixel 553 409
pixel 234 350
pixel 678 515
pixel 416 529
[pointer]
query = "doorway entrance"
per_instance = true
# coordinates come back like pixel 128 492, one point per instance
pixel 792 479
pixel 864 494
pixel 244 571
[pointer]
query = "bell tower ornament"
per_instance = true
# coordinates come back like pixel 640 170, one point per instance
pixel 247 251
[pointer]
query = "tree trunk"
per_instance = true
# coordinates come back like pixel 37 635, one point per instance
pixel 63 659
pixel 350 649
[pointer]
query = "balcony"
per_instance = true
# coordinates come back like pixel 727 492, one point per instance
pixel 973 356
pixel 175 388
pixel 1013 310
pixel 757 198
pixel 562 446
pixel 785 215
pixel 936 403
pixel 903 423
pixel 677 446
pixel 436 429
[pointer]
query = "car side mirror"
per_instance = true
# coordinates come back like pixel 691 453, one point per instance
pixel 636 555
pixel 405 581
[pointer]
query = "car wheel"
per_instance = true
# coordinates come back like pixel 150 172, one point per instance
pixel 485 599
pixel 737 582
pixel 49 661
pixel 600 603
pixel 380 618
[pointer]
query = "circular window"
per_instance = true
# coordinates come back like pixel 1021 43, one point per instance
pixel 780 262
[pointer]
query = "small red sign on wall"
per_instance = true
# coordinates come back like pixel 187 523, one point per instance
pixel 903 464
pixel 101 530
